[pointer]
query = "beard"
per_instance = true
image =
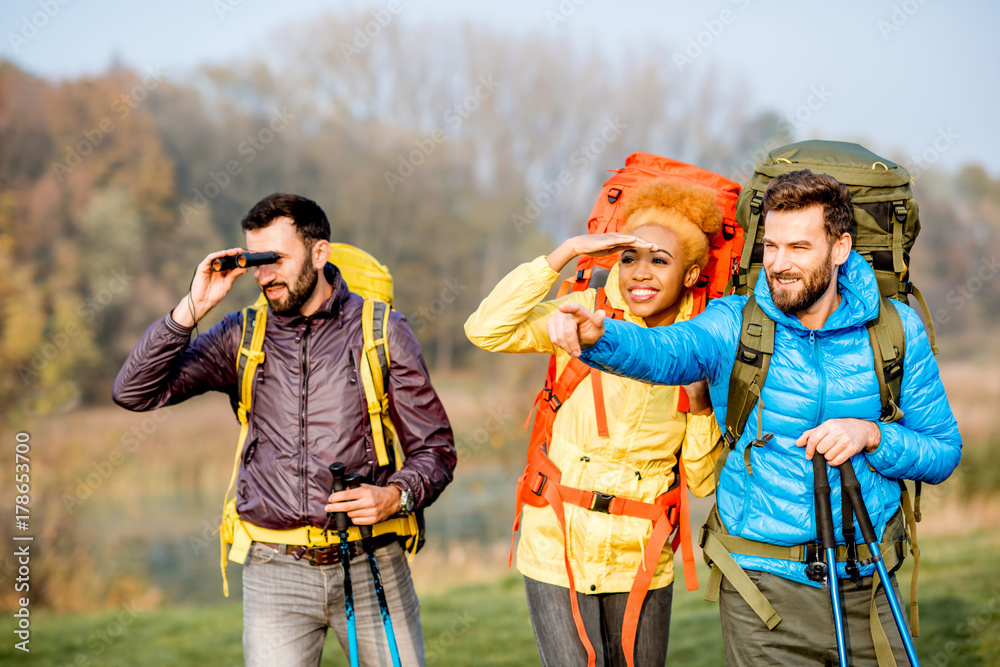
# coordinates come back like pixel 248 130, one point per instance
pixel 814 286
pixel 298 294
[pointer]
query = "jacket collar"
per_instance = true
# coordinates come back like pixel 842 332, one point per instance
pixel 858 304
pixel 329 308
pixel 617 301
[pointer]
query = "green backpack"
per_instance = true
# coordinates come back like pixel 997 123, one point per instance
pixel 887 219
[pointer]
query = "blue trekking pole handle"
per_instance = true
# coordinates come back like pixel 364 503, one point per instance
pixel 353 481
pixel 824 521
pixel 850 486
pixel 337 470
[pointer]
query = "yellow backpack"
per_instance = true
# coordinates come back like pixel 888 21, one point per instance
pixel 368 278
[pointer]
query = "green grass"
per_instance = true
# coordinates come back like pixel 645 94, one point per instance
pixel 487 624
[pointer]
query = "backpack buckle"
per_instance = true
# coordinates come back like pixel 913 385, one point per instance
pixel 539 484
pixel 614 194
pixel 552 399
pixel 894 370
pixel 601 502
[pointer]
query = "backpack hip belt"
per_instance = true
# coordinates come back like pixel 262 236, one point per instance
pixel 540 485
pixel 718 546
pixel 241 534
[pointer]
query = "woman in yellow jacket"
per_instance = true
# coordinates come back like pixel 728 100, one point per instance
pixel 665 246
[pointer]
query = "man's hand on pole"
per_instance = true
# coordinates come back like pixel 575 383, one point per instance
pixel 207 289
pixel 574 328
pixel 366 504
pixel 840 439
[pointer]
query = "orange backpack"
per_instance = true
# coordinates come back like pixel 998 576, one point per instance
pixel 540 484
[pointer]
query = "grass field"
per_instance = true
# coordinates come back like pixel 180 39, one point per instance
pixel 487 623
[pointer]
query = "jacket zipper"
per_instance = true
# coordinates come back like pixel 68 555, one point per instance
pixel 822 376
pixel 302 424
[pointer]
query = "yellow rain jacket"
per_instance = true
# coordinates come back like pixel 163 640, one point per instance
pixel 636 459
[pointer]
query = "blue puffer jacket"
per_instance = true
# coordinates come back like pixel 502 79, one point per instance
pixel 814 376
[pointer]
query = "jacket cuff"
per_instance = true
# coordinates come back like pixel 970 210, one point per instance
pixel 887 453
pixel 540 267
pixel 399 480
pixel 599 354
pixel 176 328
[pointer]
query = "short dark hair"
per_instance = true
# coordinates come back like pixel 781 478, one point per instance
pixel 309 219
pixel 800 189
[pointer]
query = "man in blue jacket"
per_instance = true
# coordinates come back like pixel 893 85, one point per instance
pixel 821 396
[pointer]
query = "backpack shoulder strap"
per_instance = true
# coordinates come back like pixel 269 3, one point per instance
pixel 753 356
pixel 888 341
pixel 249 357
pixel 601 302
pixel 374 377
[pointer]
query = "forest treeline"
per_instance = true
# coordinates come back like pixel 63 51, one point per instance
pixel 437 148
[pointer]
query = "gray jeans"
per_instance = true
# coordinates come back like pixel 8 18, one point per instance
pixel 805 635
pixel 288 605
pixel 559 643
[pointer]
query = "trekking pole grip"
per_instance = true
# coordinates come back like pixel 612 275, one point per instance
pixel 824 513
pixel 337 470
pixel 850 486
pixel 353 481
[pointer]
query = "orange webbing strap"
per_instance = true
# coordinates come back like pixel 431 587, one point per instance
pixel 601 302
pixel 550 491
pixel 602 417
pixel 662 528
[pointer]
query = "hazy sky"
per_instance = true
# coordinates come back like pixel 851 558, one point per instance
pixel 908 77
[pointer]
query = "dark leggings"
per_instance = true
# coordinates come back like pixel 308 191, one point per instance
pixel 559 643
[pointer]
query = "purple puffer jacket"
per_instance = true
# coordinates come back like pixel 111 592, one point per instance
pixel 308 405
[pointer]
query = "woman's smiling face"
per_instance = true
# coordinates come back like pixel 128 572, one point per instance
pixel 652 282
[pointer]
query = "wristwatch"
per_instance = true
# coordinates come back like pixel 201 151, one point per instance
pixel 405 498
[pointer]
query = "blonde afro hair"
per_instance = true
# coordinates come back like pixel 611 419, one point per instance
pixel 686 209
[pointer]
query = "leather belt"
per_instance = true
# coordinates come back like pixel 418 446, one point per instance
pixel 331 554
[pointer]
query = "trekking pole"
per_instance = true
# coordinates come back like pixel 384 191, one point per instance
pixel 851 487
pixel 353 481
pixel 824 521
pixel 337 470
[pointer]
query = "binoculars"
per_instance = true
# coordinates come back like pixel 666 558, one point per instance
pixel 243 260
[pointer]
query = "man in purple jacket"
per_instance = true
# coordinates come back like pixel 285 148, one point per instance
pixel 308 411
